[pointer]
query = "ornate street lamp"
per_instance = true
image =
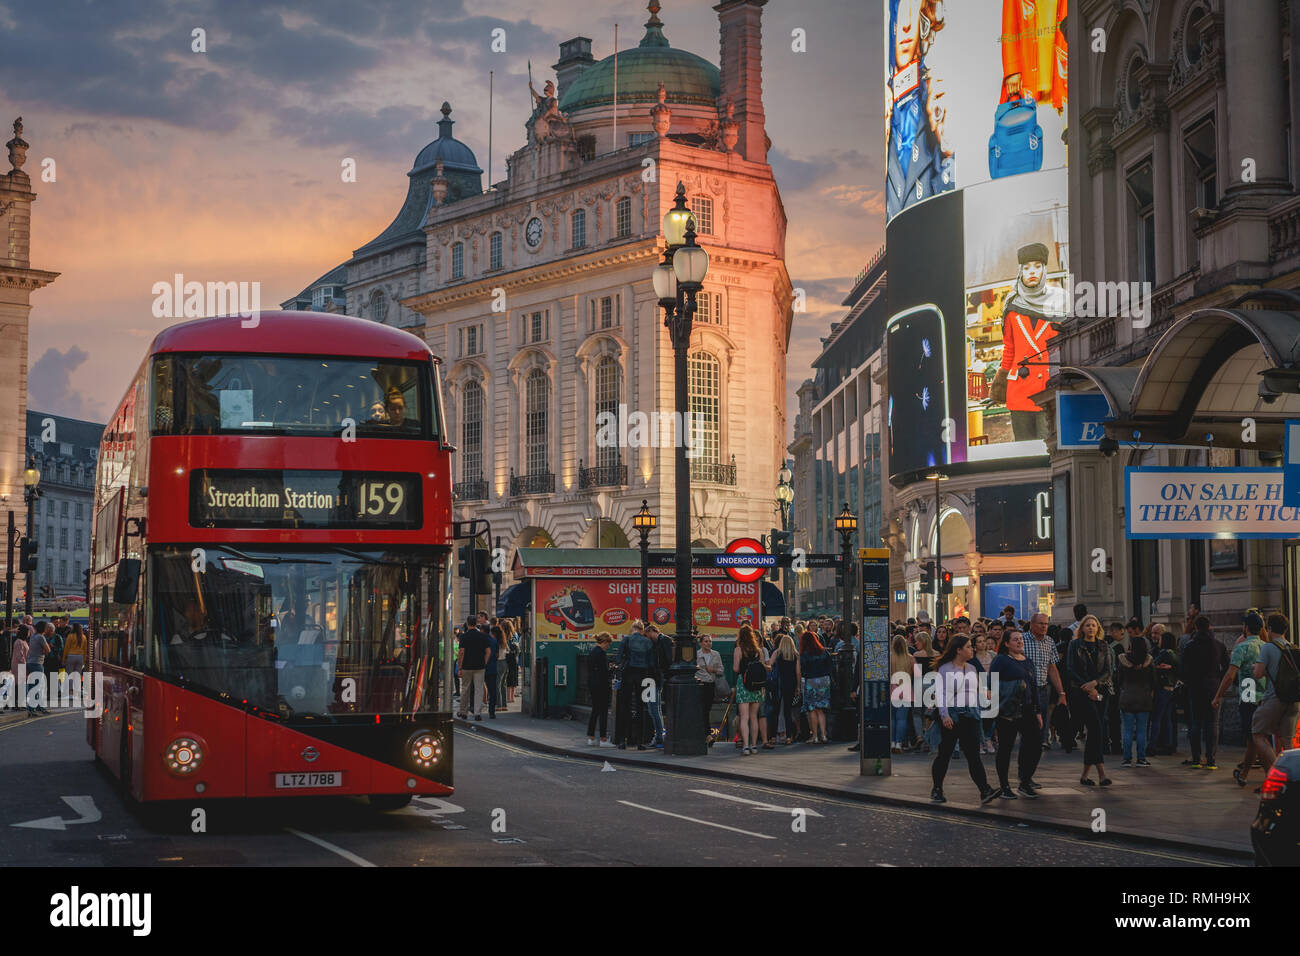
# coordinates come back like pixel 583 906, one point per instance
pixel 784 497
pixel 644 521
pixel 846 523
pixel 31 478
pixel 676 281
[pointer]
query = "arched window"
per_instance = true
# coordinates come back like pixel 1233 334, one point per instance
pixel 537 401
pixel 705 381
pixel 471 432
pixel 579 228
pixel 608 374
pixel 458 260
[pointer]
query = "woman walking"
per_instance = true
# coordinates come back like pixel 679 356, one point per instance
pixel 708 668
pixel 74 660
pixel 490 671
pixel 512 660
pixel 1088 666
pixel 1018 714
pixel 786 663
pixel 900 712
pixel 813 670
pixel 1137 692
pixel 503 664
pixel 1204 662
pixel 598 681
pixel 959 714
pixel 983 661
pixel 749 694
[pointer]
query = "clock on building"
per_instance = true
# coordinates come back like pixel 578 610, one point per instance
pixel 533 233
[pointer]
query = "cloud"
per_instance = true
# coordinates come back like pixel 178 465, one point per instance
pixel 49 386
pixel 870 199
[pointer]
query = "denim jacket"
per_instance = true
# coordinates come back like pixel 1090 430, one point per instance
pixel 636 651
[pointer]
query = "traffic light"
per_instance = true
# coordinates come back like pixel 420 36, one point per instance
pixel 27 555
pixel 475 564
pixel 927 577
pixel 782 542
pixel 4 591
pixel 945 582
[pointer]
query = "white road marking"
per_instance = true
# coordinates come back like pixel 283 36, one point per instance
pixel 758 804
pixel 436 806
pixel 350 857
pixel 85 808
pixel 720 826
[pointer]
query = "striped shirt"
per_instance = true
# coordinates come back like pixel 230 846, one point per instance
pixel 1043 654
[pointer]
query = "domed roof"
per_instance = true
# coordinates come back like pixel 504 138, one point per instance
pixel 454 154
pixel 686 77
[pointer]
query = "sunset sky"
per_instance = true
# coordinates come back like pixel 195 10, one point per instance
pixel 225 165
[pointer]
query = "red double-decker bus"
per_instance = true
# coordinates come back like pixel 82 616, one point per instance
pixel 269 576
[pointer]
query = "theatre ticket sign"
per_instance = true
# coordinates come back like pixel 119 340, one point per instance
pixel 1208 503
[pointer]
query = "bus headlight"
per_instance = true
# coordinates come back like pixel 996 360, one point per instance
pixel 426 750
pixel 184 756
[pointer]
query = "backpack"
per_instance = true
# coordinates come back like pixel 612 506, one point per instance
pixel 1016 145
pixel 1287 683
pixel 754 676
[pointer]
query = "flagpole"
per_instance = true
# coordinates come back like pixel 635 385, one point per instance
pixel 490 90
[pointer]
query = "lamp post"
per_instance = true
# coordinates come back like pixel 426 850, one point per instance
pixel 644 522
pixel 937 477
pixel 676 281
pixel 784 496
pixel 31 478
pixel 846 523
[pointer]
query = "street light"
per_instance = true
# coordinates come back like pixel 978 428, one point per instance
pixel 846 523
pixel 937 477
pixel 31 478
pixel 784 496
pixel 644 521
pixel 676 281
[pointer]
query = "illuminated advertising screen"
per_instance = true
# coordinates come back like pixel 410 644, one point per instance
pixel 977 236
pixel 565 609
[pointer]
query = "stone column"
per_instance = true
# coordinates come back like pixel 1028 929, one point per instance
pixel 741 67
pixel 1253 57
pixel 17 282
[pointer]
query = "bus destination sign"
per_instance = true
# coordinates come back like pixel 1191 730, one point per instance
pixel 304 499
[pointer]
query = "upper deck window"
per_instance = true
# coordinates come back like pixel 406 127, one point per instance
pixel 291 395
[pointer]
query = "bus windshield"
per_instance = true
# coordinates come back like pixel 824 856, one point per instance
pixel 291 395
pixel 303 634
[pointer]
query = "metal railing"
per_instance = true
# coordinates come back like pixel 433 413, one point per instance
pixel 542 483
pixel 713 471
pixel 602 476
pixel 470 490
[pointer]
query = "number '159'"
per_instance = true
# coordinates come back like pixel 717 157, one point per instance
pixel 376 495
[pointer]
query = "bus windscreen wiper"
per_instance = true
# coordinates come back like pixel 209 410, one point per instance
pixel 272 559
pixel 367 559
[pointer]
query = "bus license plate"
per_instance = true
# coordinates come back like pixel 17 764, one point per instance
pixel 316 778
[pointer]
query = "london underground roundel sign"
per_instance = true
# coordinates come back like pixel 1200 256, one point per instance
pixel 741 573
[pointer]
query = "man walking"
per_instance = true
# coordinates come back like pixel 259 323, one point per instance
pixel 1040 649
pixel 1241 669
pixel 472 661
pixel 1279 703
pixel 36 652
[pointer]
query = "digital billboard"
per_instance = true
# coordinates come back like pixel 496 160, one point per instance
pixel 977 237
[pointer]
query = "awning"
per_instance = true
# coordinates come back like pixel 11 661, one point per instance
pixel 514 600
pixel 773 600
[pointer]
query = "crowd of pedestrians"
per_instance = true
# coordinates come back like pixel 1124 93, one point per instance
pixel 486 666
pixel 1114 691
pixel 35 651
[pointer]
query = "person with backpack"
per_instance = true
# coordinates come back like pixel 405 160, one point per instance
pixel 1279 704
pixel 1137 694
pixel 636 665
pixel 751 686
pixel 813 671
pixel 1204 661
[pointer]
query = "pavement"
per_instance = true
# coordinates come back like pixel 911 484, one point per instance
pixel 1167 804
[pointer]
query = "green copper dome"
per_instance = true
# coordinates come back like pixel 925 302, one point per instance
pixel 687 78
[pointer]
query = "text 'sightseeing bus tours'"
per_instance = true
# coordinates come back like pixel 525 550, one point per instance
pixel 269 586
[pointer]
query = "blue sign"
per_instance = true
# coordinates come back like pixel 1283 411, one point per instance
pixel 900 597
pixel 1291 464
pixel 1080 419
pixel 744 560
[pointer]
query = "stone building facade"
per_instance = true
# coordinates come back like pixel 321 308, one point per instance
pixel 61 515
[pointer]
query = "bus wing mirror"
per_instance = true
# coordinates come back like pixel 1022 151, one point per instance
pixel 126 586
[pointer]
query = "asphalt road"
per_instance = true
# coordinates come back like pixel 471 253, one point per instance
pixel 512 807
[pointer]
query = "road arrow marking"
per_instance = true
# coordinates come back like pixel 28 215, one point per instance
pixel 85 809
pixel 436 806
pixel 758 805
pixel 607 768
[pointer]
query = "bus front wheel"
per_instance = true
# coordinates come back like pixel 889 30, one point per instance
pixel 389 801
